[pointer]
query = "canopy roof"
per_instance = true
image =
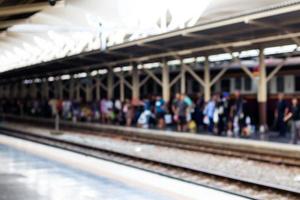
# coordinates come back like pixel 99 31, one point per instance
pixel 67 39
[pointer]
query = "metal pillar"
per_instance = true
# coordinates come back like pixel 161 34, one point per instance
pixel 98 83
pixel 182 78
pixel 9 91
pixel 23 90
pixel 33 90
pixel 60 88
pixel 262 92
pixel 135 83
pixel 88 88
pixel 72 88
pixel 207 85
pixel 1 91
pixel 18 88
pixel 122 87
pixel 110 84
pixel 78 90
pixel 45 92
pixel 166 81
pixel 15 90
pixel 4 91
pixel 55 89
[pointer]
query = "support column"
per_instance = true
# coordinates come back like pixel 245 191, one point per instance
pixel 110 84
pixel 23 90
pixel 72 88
pixel 98 95
pixel 33 90
pixel 45 92
pixel 166 81
pixel 122 87
pixel 262 92
pixel 5 91
pixel 15 90
pixel 60 88
pixel 1 91
pixel 9 91
pixel 207 91
pixel 88 88
pixel 78 90
pixel 55 88
pixel 182 79
pixel 135 83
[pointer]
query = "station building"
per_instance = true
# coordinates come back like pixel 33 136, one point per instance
pixel 67 52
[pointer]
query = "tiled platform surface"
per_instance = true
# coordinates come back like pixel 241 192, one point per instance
pixel 41 179
pixel 27 177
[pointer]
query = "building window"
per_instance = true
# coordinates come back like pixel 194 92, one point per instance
pixel 280 84
pixel 248 84
pixel 238 83
pixel 297 83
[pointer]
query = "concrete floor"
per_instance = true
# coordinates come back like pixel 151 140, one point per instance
pixel 27 177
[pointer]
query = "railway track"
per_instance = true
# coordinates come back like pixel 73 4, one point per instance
pixel 228 149
pixel 234 185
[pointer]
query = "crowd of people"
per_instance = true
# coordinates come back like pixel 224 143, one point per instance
pixel 223 114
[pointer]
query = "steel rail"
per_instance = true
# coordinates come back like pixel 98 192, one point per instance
pixel 130 160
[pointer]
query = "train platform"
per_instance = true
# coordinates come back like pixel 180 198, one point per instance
pixel 244 168
pixel 228 68
pixel 275 146
pixel 38 172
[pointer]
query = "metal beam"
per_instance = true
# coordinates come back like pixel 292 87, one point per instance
pixel 144 81
pixel 89 59
pixel 182 78
pixel 25 8
pixel 125 81
pixel 207 48
pixel 166 81
pixel 215 24
pixel 186 52
pixel 218 76
pixel 276 27
pixel 153 76
pixel 116 84
pixel 207 88
pixel 262 92
pixel 193 74
pixel 8 23
pixel 175 79
pixel 280 65
pixel 135 82
pixel 111 52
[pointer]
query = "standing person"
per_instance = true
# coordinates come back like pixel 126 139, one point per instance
pixel 223 112
pixel 103 110
pixel 128 111
pixel 117 109
pixel 144 117
pixel 181 112
pixel 237 114
pixel 174 107
pixel 294 115
pixel 160 112
pixel 109 111
pixel 190 108
pixel 280 113
pixel 53 105
pixel 66 109
pixel 198 111
pixel 209 112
